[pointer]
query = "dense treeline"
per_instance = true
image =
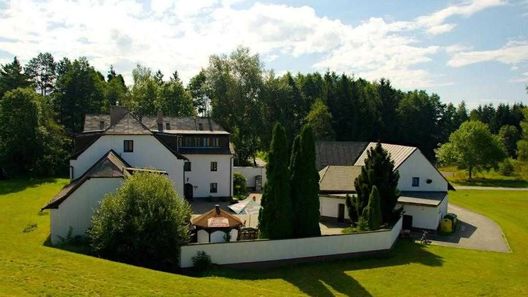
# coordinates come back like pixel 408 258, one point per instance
pixel 240 94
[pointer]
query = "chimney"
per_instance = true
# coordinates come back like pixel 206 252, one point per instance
pixel 117 113
pixel 217 209
pixel 159 120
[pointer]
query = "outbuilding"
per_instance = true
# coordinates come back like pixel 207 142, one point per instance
pixel 217 225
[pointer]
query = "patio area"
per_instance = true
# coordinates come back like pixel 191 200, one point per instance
pixel 201 206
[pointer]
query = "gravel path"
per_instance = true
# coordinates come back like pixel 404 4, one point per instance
pixel 476 232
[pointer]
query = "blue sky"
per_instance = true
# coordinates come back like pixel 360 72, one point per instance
pixel 475 51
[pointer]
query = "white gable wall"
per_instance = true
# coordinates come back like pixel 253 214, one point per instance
pixel 148 153
pixel 201 175
pixel 77 210
pixel 418 166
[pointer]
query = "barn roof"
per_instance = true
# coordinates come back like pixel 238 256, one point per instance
pixel 398 153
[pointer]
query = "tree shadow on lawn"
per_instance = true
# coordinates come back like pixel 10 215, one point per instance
pixel 314 279
pixel 19 184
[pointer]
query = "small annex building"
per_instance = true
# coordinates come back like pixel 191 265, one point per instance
pixel 423 189
pixel 216 225
pixel 72 208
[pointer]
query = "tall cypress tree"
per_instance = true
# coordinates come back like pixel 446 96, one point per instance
pixel 378 171
pixel 372 213
pixel 305 185
pixel 275 218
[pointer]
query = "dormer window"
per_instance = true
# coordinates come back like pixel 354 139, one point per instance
pixel 200 126
pixel 167 126
pixel 101 125
pixel 160 126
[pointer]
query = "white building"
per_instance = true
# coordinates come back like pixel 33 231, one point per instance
pixel 194 152
pixel 423 189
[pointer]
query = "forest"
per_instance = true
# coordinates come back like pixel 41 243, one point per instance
pixel 43 103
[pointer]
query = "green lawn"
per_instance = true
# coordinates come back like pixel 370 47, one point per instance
pixel 491 178
pixel 28 267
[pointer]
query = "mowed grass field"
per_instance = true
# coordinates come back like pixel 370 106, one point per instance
pixel 29 267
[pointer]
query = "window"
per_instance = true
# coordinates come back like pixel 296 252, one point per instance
pixel 213 188
pixel 167 126
pixel 415 181
pixel 214 166
pixel 128 146
pixel 187 166
pixel 216 142
pixel 160 126
pixel 101 125
pixel 206 142
pixel 200 126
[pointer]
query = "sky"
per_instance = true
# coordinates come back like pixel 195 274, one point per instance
pixel 476 51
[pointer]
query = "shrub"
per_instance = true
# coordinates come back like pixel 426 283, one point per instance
pixel 239 186
pixel 143 223
pixel 506 167
pixel 202 262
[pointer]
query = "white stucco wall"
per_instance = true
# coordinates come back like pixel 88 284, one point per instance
pixel 272 250
pixel 148 153
pixel 426 217
pixel 250 173
pixel 418 166
pixel 329 206
pixel 77 210
pixel 201 175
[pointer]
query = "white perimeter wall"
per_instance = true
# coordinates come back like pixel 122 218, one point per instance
pixel 250 173
pixel 273 250
pixel 201 175
pixel 329 207
pixel 418 166
pixel 77 210
pixel 426 217
pixel 148 153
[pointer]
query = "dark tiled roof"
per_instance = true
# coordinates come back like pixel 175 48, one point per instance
pixel 92 122
pixel 110 165
pixel 128 125
pixel 183 124
pixel 83 141
pixel 338 179
pixel 343 153
pixel 422 198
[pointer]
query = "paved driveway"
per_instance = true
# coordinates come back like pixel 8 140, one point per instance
pixel 476 232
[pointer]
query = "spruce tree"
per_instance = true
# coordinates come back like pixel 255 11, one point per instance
pixel 275 218
pixel 305 185
pixel 378 171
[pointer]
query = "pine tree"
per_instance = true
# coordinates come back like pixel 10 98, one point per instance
pixel 305 185
pixel 11 77
pixel 275 218
pixel 378 171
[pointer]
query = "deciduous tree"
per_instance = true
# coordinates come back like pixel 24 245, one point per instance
pixel 472 147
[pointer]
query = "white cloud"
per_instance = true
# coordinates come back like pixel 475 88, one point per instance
pixel 181 35
pixel 435 23
pixel 514 52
